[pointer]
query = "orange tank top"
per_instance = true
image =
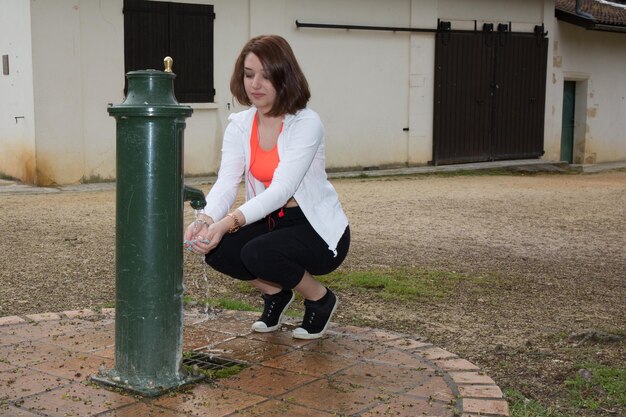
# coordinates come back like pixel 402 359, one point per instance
pixel 262 163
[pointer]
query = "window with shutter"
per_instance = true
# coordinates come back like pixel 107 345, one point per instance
pixel 154 30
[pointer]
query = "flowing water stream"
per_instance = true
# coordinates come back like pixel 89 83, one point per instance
pixel 209 312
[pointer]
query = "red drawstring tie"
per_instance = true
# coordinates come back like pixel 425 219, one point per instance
pixel 270 221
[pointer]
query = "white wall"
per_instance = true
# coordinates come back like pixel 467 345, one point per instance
pixel 424 14
pixel 102 82
pixel 597 61
pixel 79 68
pixel 368 86
pixel 358 79
pixel 57 80
pixel 17 136
pixel 203 135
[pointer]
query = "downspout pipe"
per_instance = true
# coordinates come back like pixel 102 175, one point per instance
pixel 580 13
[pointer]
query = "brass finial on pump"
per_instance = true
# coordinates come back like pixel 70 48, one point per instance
pixel 167 63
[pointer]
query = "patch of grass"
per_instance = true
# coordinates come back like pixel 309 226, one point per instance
pixel 232 304
pixel 445 174
pixel 397 284
pixel 244 287
pixel 598 387
pixel 225 372
pixel 4 176
pixel 516 171
pixel 228 371
pixel 520 406
pixel 229 304
pixel 489 172
pixel 222 368
pixel 92 179
pixel 529 170
pixel 225 303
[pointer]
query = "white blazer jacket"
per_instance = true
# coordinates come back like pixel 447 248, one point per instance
pixel 301 173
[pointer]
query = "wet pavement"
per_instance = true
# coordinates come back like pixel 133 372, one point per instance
pixel 46 361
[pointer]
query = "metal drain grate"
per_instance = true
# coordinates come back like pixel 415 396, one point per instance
pixel 211 365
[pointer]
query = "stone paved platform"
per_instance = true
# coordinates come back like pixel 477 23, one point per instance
pixel 46 361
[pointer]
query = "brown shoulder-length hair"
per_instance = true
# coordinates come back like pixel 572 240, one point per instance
pixel 283 71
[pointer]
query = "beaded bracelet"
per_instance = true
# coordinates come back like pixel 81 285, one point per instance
pixel 236 226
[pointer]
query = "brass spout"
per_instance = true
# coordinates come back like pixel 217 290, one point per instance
pixel 167 63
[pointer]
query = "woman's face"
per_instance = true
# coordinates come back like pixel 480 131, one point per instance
pixel 259 88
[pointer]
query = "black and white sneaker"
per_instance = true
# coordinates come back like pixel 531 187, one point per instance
pixel 273 312
pixel 317 315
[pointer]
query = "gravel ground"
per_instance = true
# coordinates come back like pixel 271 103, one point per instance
pixel 543 256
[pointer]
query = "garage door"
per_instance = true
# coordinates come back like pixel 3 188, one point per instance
pixel 489 96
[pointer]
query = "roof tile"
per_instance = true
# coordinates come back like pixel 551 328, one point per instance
pixel 606 12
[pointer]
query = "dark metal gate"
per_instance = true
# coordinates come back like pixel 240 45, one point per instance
pixel 489 96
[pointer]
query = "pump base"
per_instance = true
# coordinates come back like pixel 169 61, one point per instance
pixel 145 391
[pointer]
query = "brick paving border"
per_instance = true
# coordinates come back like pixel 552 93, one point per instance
pixel 476 394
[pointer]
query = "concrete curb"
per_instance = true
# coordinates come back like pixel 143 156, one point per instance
pixel 524 165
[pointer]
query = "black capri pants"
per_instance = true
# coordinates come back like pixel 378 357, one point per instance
pixel 278 249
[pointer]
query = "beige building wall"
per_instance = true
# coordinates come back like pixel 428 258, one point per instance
pixel 58 91
pixel 359 79
pixel 17 113
pixel 373 89
pixel 78 69
pixel 596 61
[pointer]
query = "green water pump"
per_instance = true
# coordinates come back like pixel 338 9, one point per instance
pixel 150 198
